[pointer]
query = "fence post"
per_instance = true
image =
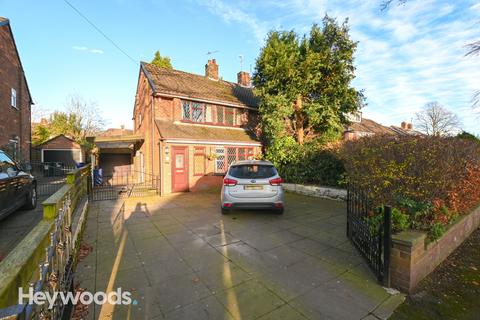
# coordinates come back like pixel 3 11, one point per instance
pixel 387 238
pixel 348 210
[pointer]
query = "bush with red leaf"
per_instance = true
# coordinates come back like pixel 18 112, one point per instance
pixel 433 179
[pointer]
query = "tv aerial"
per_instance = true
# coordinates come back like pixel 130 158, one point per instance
pixel 209 53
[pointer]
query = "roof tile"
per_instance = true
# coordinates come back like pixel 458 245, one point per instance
pixel 175 82
pixel 170 130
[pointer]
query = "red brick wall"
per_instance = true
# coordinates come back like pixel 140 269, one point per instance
pixel 14 122
pixel 60 142
pixel 411 259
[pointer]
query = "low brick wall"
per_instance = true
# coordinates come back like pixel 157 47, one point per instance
pixel 412 259
pixel 317 191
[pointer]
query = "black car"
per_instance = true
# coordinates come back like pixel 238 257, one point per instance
pixel 18 188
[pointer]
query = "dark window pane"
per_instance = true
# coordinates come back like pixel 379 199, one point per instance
pixel 241 154
pixel 197 112
pixel 219 114
pixel 186 110
pixel 229 116
pixel 231 155
pixel 252 171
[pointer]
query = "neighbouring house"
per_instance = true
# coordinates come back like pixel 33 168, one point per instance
pixel 15 98
pixel 362 127
pixel 194 126
pixel 59 149
pixel 406 129
pixel 114 132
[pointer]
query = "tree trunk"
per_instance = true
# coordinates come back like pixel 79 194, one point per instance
pixel 299 132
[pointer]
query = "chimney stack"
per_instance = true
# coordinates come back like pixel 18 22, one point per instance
pixel 211 69
pixel 409 126
pixel 403 125
pixel 243 78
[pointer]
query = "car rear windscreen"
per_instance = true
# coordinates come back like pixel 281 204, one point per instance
pixel 252 171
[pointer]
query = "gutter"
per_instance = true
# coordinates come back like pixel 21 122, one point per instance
pixel 228 104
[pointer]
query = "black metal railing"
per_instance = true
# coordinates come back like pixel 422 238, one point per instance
pixel 370 233
pixel 50 176
pixel 55 273
pixel 123 185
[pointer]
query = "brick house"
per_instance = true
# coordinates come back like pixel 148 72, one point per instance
pixel 362 127
pixel 193 126
pixel 15 98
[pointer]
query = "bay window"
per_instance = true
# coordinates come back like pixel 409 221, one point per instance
pixel 213 114
pixel 227 155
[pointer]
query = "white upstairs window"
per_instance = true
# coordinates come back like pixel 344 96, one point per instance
pixel 13 98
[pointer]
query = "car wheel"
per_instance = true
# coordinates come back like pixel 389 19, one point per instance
pixel 279 211
pixel 225 211
pixel 31 199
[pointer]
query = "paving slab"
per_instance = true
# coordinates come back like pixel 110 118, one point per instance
pixel 183 259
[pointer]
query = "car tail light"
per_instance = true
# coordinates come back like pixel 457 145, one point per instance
pixel 228 204
pixel 229 182
pixel 276 181
pixel 278 205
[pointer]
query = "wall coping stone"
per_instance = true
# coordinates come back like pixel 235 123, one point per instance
pixel 330 193
pixel 410 238
pixel 413 257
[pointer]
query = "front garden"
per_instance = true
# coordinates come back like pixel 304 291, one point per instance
pixel 429 181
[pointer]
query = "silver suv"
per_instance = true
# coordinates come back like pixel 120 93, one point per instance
pixel 252 184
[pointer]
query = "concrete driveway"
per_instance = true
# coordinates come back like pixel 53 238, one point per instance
pixel 182 259
pixel 16 226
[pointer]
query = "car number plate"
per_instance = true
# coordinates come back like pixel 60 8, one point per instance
pixel 253 187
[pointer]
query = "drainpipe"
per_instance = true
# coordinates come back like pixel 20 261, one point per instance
pixel 152 134
pixel 160 159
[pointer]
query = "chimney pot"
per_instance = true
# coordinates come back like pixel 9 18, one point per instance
pixel 403 125
pixel 211 69
pixel 243 78
pixel 409 126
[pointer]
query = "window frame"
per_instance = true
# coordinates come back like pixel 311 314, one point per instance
pixel 249 152
pixel 13 98
pixel 236 114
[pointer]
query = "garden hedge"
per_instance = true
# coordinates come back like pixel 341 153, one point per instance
pixel 430 179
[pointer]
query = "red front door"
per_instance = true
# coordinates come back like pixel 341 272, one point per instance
pixel 179 169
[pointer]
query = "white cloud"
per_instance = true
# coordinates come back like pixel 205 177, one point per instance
pixel 406 57
pixel 86 49
pixel 96 51
pixel 233 13
pixel 79 48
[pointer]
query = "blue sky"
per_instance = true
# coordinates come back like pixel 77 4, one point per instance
pixel 406 57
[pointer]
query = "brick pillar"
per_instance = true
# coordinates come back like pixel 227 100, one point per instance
pixel 407 248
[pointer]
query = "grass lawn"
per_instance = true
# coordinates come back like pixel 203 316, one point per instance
pixel 452 291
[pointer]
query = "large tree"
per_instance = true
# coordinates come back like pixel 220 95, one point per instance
pixel 436 120
pixel 81 119
pixel 162 62
pixel 304 83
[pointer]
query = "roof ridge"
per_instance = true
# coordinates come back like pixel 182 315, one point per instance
pixel 188 73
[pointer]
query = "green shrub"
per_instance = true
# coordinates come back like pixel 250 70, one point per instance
pixel 312 163
pixel 436 231
pixel 400 221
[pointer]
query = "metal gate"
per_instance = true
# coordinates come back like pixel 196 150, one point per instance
pixel 373 240
pixel 123 185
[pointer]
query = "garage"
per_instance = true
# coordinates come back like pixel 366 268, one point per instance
pixel 115 163
pixel 59 150
pixel 67 157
